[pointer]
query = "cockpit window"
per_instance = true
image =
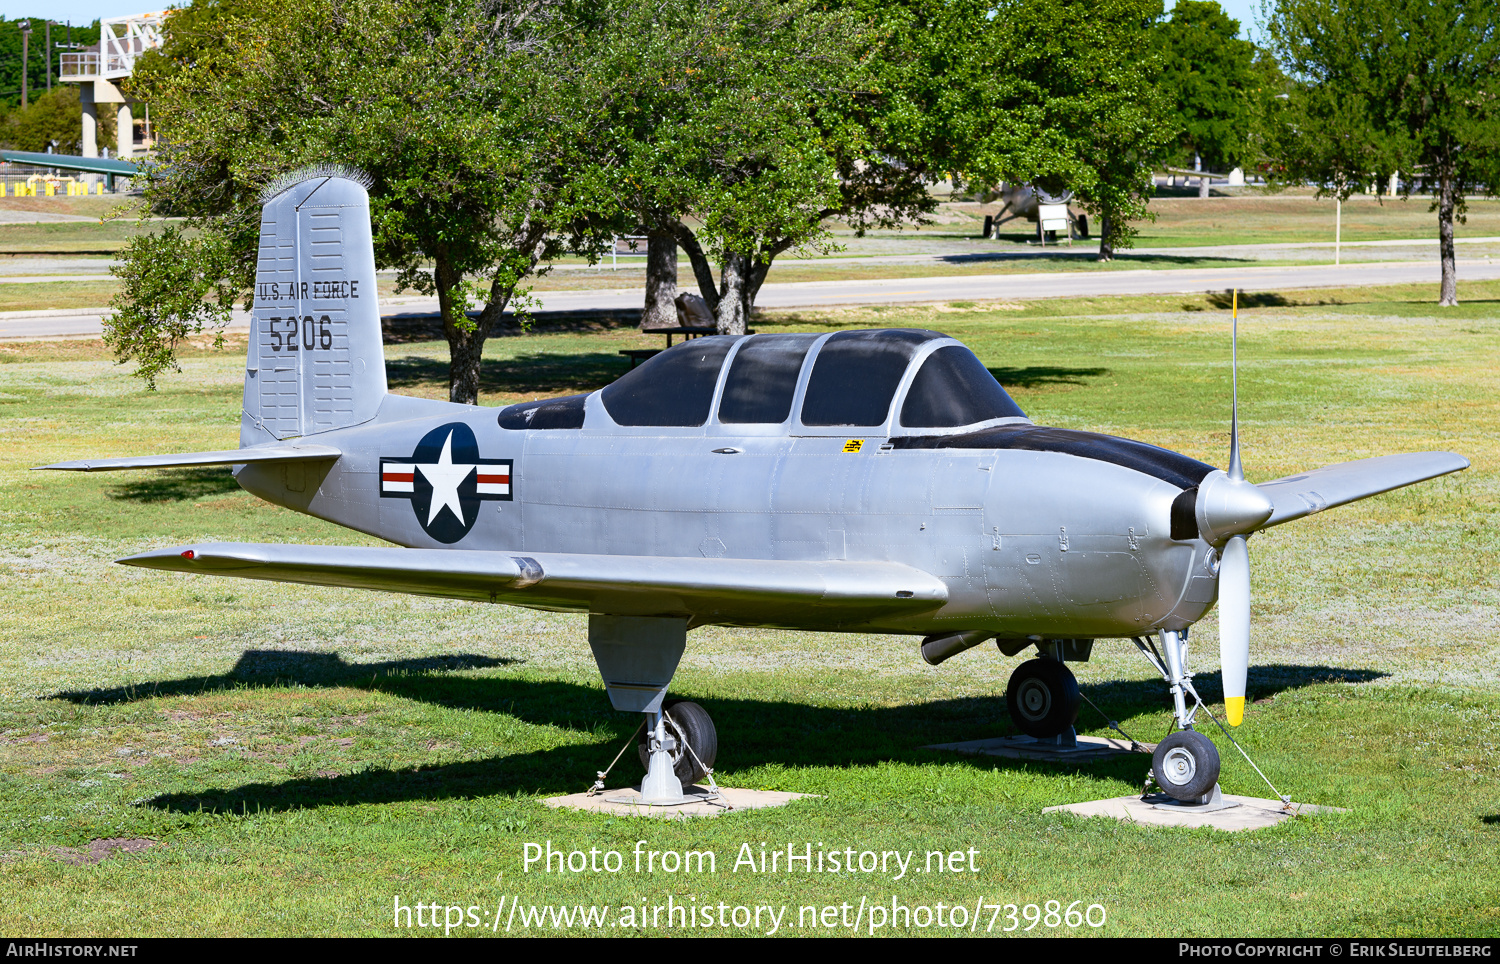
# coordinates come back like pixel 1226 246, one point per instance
pixel 763 378
pixel 856 375
pixel 953 388
pixel 675 388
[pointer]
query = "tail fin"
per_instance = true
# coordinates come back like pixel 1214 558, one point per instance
pixel 315 361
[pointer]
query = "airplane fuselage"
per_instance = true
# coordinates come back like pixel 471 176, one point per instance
pixel 1029 543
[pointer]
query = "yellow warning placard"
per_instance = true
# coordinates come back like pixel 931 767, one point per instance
pixel 854 445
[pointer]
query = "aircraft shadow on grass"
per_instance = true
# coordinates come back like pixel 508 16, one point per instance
pixel 751 732
pixel 1036 376
pixel 1087 253
pixel 274 667
pixel 176 485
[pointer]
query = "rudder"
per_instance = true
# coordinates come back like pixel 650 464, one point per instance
pixel 315 361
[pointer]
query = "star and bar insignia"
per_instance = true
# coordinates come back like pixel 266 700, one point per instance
pixel 445 480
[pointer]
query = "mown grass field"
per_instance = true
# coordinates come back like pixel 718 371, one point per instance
pixel 291 760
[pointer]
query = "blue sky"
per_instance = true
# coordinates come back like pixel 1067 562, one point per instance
pixel 86 11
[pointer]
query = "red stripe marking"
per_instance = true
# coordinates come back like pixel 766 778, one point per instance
pixel 397 476
pixel 494 479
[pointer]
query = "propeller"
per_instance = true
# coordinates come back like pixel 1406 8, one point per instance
pixel 1227 508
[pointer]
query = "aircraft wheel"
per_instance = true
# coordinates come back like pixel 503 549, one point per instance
pixel 1186 765
pixel 689 724
pixel 1043 697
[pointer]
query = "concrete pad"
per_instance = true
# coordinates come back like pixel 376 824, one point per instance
pixel 1250 813
pixel 732 800
pixel 1090 749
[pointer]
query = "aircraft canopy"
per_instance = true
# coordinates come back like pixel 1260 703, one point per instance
pixel 854 380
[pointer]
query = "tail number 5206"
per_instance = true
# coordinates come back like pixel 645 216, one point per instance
pixel 293 333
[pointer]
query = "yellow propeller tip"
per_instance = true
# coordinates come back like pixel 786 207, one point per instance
pixel 1234 708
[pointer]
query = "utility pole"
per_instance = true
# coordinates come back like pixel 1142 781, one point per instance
pixel 49 56
pixel 25 26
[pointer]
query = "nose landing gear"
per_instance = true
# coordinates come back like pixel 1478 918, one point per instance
pixel 1185 764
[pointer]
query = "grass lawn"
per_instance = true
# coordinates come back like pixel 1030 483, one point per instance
pixel 1282 219
pixel 291 760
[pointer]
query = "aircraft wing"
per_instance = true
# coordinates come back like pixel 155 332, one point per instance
pixel 181 460
pixel 1307 492
pixel 762 592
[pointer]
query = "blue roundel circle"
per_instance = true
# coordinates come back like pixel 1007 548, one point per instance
pixel 446 480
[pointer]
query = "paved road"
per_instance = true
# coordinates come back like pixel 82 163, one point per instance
pixel 812 294
pixel 36 270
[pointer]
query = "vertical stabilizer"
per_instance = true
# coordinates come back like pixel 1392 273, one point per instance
pixel 315 361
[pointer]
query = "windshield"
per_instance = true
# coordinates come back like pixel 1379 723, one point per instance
pixel 954 388
pixel 673 388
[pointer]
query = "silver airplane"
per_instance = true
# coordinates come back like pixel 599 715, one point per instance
pixel 857 481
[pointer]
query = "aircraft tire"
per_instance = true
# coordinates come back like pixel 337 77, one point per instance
pixel 1042 697
pixel 1186 765
pixel 691 722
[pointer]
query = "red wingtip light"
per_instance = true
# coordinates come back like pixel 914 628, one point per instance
pixel 189 554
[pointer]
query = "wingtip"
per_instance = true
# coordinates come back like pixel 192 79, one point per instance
pixel 176 558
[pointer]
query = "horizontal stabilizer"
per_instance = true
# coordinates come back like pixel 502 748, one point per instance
pixel 183 460
pixel 1305 493
pixel 760 592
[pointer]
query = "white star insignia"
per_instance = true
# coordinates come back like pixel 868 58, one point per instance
pixel 445 478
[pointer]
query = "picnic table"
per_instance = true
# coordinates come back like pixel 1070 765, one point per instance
pixel 637 355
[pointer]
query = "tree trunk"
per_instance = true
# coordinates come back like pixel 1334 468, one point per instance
pixel 1106 237
pixel 1448 296
pixel 1203 185
pixel 661 280
pixel 703 272
pixel 465 338
pixel 733 313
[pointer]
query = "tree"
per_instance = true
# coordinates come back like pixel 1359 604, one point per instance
pixel 721 115
pixel 1076 105
pixel 38 59
pixel 52 119
pixel 465 117
pixel 1209 77
pixel 1393 85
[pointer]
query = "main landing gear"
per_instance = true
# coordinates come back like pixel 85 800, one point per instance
pixel 685 732
pixel 1043 698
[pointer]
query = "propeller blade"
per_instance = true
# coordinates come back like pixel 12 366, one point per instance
pixel 1234 625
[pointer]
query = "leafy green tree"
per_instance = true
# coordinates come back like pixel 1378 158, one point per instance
pixel 466 117
pixel 52 119
pixel 195 36
pixel 722 134
pixel 1210 79
pixel 1075 104
pixel 1393 85
pixel 38 61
